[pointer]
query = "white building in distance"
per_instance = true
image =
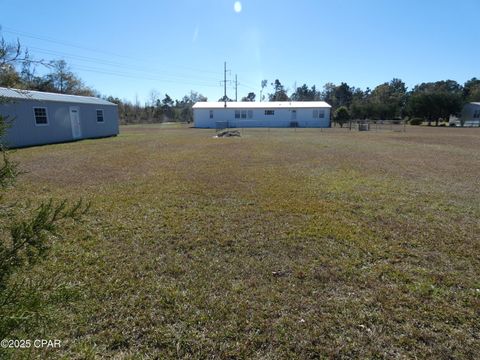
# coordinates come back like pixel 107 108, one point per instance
pixel 309 114
pixel 470 115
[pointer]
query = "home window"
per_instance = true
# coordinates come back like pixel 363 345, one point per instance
pixel 99 115
pixel 269 112
pixel 40 116
pixel 318 114
pixel 211 114
pixel 250 114
pixel 244 114
pixel 237 114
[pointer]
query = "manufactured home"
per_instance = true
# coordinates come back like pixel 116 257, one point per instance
pixel 38 118
pixel 307 114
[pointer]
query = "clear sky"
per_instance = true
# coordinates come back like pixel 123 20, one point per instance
pixel 127 48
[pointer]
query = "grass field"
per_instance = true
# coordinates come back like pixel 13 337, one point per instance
pixel 278 244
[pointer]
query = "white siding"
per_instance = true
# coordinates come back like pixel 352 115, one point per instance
pixel 281 118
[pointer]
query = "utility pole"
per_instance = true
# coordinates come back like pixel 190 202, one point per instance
pixel 236 86
pixel 225 83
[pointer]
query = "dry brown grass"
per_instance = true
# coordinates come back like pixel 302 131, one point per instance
pixel 279 244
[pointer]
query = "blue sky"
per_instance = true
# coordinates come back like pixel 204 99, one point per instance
pixel 128 48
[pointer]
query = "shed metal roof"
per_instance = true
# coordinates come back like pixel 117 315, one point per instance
pixel 261 105
pixel 46 96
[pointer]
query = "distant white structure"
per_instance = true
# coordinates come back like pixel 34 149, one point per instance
pixel 309 114
pixel 470 115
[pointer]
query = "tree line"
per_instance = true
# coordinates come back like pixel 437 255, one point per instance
pixel 431 101
pixel 157 110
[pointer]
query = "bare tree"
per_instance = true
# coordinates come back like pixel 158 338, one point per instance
pixel 264 85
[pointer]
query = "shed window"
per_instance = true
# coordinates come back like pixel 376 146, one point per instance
pixel 269 112
pixel 99 115
pixel 211 114
pixel 40 116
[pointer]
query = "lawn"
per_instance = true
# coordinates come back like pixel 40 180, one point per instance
pixel 279 244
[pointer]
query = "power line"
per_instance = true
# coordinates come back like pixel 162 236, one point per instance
pixel 246 86
pixel 118 65
pixel 134 76
pixel 64 43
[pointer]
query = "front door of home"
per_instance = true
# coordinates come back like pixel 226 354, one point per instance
pixel 75 120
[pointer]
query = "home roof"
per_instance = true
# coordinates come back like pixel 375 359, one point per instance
pixel 46 96
pixel 261 105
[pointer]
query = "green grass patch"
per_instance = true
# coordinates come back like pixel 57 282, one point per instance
pixel 278 244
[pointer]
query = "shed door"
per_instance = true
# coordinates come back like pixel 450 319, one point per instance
pixel 75 120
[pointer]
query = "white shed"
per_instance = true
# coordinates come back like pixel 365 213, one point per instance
pixel 261 114
pixel 45 118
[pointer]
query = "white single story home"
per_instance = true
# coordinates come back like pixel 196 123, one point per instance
pixel 309 114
